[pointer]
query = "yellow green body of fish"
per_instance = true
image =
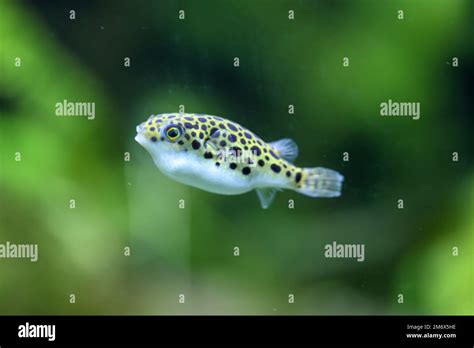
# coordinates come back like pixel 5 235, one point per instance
pixel 220 156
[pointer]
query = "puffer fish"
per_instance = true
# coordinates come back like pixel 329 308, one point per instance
pixel 220 156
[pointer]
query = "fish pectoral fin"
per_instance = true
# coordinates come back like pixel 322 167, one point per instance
pixel 266 196
pixel 286 148
pixel 211 146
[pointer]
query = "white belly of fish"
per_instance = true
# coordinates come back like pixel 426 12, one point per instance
pixel 188 169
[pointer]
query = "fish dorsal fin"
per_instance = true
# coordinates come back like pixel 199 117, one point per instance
pixel 286 148
pixel 266 196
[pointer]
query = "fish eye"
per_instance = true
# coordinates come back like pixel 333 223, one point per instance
pixel 173 133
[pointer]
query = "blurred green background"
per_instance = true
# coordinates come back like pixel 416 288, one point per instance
pixel 189 62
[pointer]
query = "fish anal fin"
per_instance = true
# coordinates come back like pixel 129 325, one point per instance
pixel 266 196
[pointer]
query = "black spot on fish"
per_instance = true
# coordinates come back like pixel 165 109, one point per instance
pixel 188 125
pixel 242 141
pixel 196 144
pixel 261 163
pixel 152 129
pixel 207 155
pixel 201 135
pixel 202 119
pixel 223 143
pixel 213 123
pixel 247 135
pixel 273 154
pixel 256 150
pixel 203 127
pixel 187 136
pixel 154 139
pixel 193 133
pixel 188 118
pixel 218 164
pixel 276 168
pixel 221 126
pixel 298 177
pixel 181 142
pixel 232 127
pixel 232 138
pixel 237 151
pixel 267 158
pixel 288 173
pixel 233 166
pixel 246 170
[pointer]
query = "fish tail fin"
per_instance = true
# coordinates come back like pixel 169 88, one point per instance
pixel 319 182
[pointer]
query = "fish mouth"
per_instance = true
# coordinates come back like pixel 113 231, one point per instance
pixel 140 128
pixel 139 138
